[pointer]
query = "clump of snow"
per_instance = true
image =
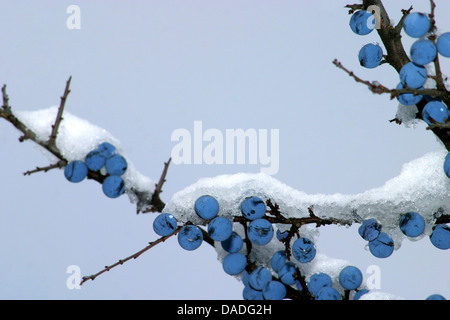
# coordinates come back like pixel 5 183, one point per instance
pixel 76 138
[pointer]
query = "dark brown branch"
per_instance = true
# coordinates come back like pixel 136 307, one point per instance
pixel 60 164
pixel 133 256
pixel 353 7
pixel 58 119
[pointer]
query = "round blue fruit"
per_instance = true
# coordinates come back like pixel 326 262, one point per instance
pixel 282 235
pixel 95 160
pixel 328 293
pixel 116 165
pixel 251 294
pixel 416 24
pixel 413 76
pixel 360 293
pixel 234 263
pixel 259 277
pixel 435 297
pixel 370 55
pixel 350 278
pixel 220 228
pixel 362 22
pixel 234 243
pixel 286 273
pixel 107 149
pixel 412 224
pixel 369 229
pixel 76 171
pixel 440 237
pixel 443 45
pixel 423 51
pixel 408 99
pixel 253 208
pixel 260 231
pixel 382 246
pixel 206 207
pixel 318 281
pixel 190 237
pixel 303 250
pixel 447 165
pixel 113 186
pixel 278 260
pixel 435 111
pixel 164 224
pixel 274 290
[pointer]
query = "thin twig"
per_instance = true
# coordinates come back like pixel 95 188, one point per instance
pixel 133 256
pixel 5 105
pixel 58 119
pixel 60 164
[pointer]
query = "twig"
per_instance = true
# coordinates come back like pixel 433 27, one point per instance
pixel 58 119
pixel 354 7
pixel 439 126
pixel 133 256
pixel 5 105
pixel 60 164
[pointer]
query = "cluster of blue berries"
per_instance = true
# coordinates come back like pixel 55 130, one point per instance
pixel 411 224
pixel 103 159
pixel 413 74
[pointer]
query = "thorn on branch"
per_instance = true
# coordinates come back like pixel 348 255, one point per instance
pixel 60 164
pixel 58 119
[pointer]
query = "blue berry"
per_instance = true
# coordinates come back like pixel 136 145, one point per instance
pixel 164 224
pixel 113 186
pixel 260 231
pixel 190 237
pixel 251 294
pixel 408 99
pixel 234 243
pixel 317 281
pixel 435 111
pixel 220 228
pixel 116 165
pixel 369 229
pixel 95 160
pixel 382 246
pixel 278 260
pixel 440 237
pixel 416 24
pixel 274 290
pixel 286 273
pixel 360 293
pixel 423 51
pixel 370 55
pixel 76 171
pixel 443 45
pixel 259 277
pixel 253 208
pixel 234 263
pixel 447 165
pixel 362 22
pixel 412 75
pixel 328 293
pixel 303 250
pixel 282 235
pixel 206 207
pixel 436 297
pixel 412 224
pixel 350 278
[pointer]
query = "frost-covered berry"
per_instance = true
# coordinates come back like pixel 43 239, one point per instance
pixel 362 22
pixel 370 55
pixel 206 207
pixel 253 208
pixel 190 237
pixel 164 224
pixel 412 75
pixel 382 246
pixel 260 231
pixel 116 165
pixel 234 243
pixel 423 51
pixel 443 45
pixel 234 263
pixel 440 237
pixel 303 250
pixel 435 111
pixel 369 229
pixel 259 277
pixel 350 278
pixel 76 171
pixel 318 281
pixel 328 293
pixel 274 290
pixel 220 228
pixel 412 224
pixel 113 186
pixel 416 24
